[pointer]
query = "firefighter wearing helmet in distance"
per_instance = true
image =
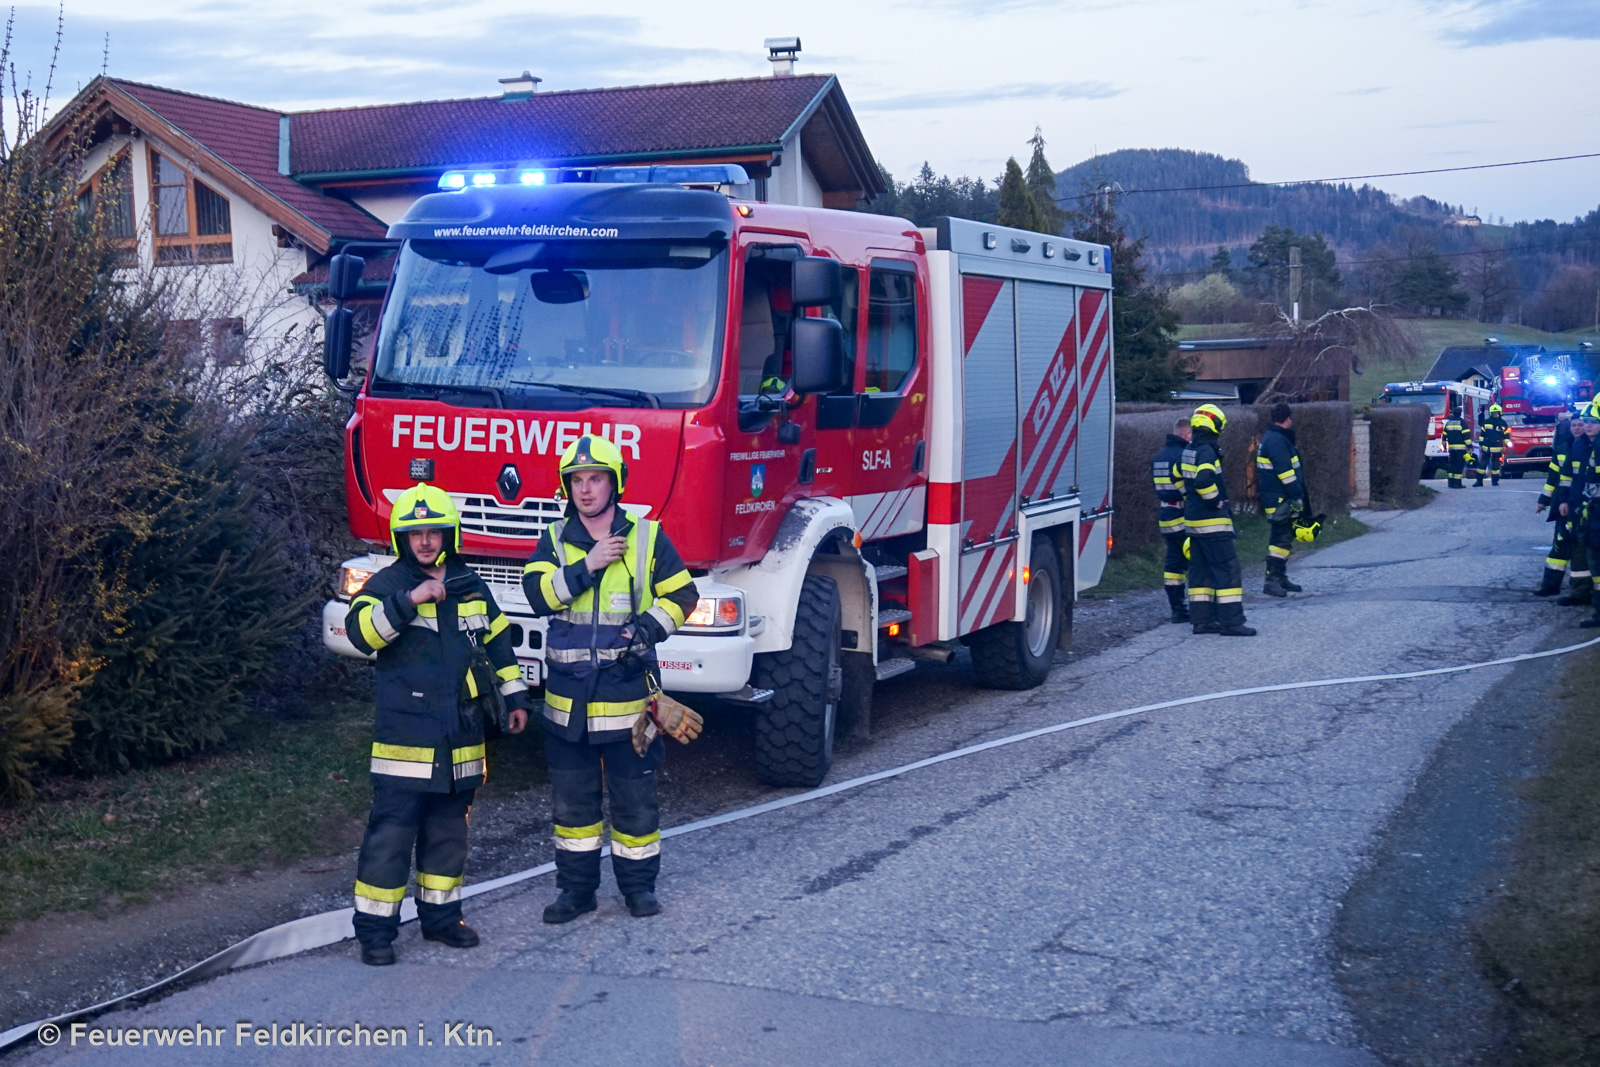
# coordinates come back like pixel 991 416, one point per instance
pixel 1492 437
pixel 443 652
pixel 1216 585
pixel 1282 488
pixel 613 587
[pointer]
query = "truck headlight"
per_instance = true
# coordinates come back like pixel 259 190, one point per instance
pixel 351 579
pixel 718 613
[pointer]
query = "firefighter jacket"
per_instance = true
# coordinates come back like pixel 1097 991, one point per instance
pixel 1494 433
pixel 1583 497
pixel 425 738
pixel 597 681
pixel 1278 480
pixel 1455 434
pixel 1206 512
pixel 1168 478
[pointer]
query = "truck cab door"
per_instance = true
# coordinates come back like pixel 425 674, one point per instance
pixel 889 450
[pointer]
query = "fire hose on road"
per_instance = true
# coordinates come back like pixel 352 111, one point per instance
pixel 316 931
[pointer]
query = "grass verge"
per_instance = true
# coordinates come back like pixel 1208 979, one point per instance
pixel 1540 941
pixel 282 791
pixel 1142 568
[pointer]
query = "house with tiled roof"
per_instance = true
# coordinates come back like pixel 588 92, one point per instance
pixel 202 182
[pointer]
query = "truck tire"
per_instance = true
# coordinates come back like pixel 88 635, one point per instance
pixel 794 729
pixel 1018 655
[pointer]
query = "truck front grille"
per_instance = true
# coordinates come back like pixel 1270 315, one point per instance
pixel 486 515
pixel 495 569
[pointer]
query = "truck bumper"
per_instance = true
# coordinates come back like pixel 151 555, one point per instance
pixel 689 663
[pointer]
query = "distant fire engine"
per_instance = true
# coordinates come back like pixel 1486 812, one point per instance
pixel 1533 390
pixel 868 441
pixel 1442 399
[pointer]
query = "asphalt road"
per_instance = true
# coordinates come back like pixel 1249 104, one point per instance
pixel 1159 889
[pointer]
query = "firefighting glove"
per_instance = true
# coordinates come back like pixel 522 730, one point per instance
pixel 678 721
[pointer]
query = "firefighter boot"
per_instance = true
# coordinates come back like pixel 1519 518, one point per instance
pixel 456 935
pixel 1274 586
pixel 1230 618
pixel 1592 621
pixel 377 954
pixel 1550 584
pixel 643 904
pixel 1180 610
pixel 1283 580
pixel 1203 614
pixel 1581 595
pixel 569 905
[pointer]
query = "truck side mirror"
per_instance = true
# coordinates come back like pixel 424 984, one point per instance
pixel 344 276
pixel 818 356
pixel 337 333
pixel 816 281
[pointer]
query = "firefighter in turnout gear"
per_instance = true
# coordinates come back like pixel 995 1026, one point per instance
pixel 1168 480
pixel 1216 586
pixel 1585 427
pixel 1557 481
pixel 1282 489
pixel 1492 438
pixel 1456 440
pixel 1583 507
pixel 613 587
pixel 442 651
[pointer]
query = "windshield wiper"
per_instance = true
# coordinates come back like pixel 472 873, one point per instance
pixel 434 390
pixel 638 396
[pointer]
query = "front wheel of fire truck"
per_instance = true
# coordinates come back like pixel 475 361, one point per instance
pixel 1018 655
pixel 794 729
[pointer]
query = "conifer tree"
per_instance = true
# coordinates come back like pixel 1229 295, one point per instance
pixel 1017 206
pixel 1042 185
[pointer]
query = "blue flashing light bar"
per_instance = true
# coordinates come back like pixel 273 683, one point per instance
pixel 692 174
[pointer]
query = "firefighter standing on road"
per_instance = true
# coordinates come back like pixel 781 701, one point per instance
pixel 1583 505
pixel 1585 426
pixel 1216 586
pixel 1168 479
pixel 1283 496
pixel 613 587
pixel 442 646
pixel 1456 440
pixel 1492 437
pixel 1558 479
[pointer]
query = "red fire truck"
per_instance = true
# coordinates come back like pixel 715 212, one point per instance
pixel 869 441
pixel 1442 400
pixel 1534 388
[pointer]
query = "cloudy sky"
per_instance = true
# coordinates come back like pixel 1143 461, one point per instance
pixel 1295 88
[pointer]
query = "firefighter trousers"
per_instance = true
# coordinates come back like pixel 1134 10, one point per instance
pixel 1174 569
pixel 1569 554
pixel 1458 466
pixel 1279 544
pixel 1489 464
pixel 403 820
pixel 579 773
pixel 1216 582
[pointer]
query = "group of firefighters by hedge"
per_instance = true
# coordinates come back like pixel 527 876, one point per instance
pixel 1196 518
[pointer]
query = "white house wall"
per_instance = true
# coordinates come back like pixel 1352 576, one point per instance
pixel 256 285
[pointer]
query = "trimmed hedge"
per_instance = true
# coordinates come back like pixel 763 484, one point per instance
pixel 1399 444
pixel 1322 434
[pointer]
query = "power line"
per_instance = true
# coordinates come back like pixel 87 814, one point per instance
pixel 1324 181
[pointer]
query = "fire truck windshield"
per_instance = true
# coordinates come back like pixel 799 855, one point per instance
pixel 556 324
pixel 1434 402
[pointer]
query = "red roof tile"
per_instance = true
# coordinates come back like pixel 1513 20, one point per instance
pixel 587 124
pixel 246 138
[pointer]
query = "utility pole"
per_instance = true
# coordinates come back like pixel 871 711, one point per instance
pixel 1295 271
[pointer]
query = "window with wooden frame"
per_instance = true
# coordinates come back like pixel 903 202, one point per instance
pixel 192 220
pixel 110 190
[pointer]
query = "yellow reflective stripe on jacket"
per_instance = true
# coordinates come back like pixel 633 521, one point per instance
pixel 498 626
pixel 506 674
pixel 1286 477
pixel 401 761
pixel 673 583
pixel 402 752
pixel 467 762
pixel 462 755
pixel 373 619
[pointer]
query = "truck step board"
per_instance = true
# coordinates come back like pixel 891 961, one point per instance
pixel 889 615
pixel 889 668
pixel 889 572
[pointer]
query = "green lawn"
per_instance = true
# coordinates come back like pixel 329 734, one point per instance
pixel 1142 569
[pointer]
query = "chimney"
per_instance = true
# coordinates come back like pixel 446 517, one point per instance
pixel 782 51
pixel 520 87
